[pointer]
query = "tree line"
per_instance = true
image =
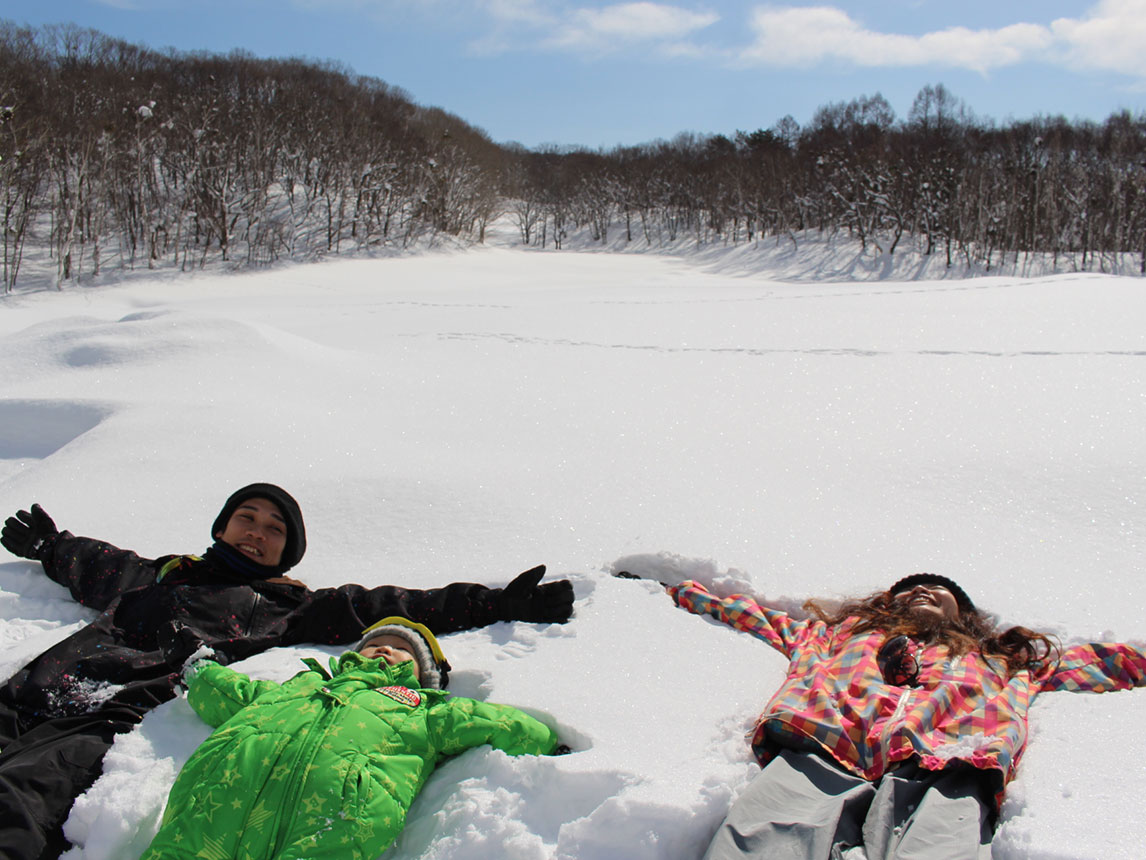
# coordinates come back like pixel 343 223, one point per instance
pixel 115 155
pixel 116 152
pixel 941 180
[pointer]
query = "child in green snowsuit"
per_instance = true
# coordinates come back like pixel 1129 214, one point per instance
pixel 326 765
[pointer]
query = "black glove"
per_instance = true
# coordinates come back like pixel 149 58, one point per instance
pixel 524 600
pixel 25 534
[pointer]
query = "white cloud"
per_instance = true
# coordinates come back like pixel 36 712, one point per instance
pixel 1111 37
pixel 517 12
pixel 641 21
pixel 514 22
pixel 592 29
pixel 805 36
pixel 610 27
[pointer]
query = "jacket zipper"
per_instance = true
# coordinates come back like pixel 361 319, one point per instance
pixel 900 707
pixel 893 722
pixel 251 615
pixel 315 736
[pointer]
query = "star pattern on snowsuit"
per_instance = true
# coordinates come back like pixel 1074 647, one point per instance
pixel 313 803
pixel 212 849
pixel 210 806
pixel 260 815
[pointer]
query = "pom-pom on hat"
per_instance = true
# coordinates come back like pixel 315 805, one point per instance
pixel 909 582
pixel 433 669
pixel 288 507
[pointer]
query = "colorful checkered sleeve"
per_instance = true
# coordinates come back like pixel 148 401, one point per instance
pixel 1098 668
pixel 776 628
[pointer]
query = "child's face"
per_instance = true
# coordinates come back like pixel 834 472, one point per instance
pixel 392 649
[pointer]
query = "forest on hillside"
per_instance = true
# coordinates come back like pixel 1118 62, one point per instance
pixel 113 155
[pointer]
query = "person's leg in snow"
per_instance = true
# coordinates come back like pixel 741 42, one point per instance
pixel 803 806
pixel 43 770
pixel 798 806
pixel 931 815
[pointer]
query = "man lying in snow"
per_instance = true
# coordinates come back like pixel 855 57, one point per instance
pixel 60 713
pixel 327 764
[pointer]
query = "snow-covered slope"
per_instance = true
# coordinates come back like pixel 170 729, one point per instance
pixel 465 415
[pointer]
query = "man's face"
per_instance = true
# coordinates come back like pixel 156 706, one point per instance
pixel 257 530
pixel 931 599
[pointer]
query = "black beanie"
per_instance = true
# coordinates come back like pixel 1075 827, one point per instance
pixel 915 579
pixel 288 507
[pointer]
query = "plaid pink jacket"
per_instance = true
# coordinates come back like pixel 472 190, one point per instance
pixel 965 708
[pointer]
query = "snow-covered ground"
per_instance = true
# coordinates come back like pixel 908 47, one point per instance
pixel 464 415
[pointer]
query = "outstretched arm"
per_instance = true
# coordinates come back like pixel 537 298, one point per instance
pixel 217 693
pixel 339 615
pixel 776 628
pixel 1098 668
pixel 95 572
pixel 458 724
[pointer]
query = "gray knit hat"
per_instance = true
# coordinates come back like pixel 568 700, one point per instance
pixel 433 670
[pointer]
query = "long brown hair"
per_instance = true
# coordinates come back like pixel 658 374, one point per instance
pixel 1019 647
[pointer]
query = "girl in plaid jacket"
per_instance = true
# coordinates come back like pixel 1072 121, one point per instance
pixel 900 721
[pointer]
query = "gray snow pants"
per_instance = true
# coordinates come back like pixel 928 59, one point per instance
pixel 802 807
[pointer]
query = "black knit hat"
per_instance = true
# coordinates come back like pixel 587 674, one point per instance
pixel 909 582
pixel 288 507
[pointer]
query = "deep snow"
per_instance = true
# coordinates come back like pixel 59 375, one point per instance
pixel 465 415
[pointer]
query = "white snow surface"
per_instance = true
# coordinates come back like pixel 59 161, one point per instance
pixel 464 415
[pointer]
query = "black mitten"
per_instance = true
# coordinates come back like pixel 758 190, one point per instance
pixel 525 600
pixel 25 534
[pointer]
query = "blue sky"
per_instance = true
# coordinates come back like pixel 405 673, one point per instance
pixel 600 74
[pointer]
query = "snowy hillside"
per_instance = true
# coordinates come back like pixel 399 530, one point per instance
pixel 464 415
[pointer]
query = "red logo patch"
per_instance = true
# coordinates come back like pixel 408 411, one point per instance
pixel 402 694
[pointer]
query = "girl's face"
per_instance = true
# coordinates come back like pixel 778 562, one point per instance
pixel 933 600
pixel 392 649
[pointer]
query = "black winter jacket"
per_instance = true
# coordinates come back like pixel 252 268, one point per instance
pixel 132 653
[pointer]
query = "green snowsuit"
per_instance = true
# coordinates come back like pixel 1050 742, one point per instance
pixel 323 766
